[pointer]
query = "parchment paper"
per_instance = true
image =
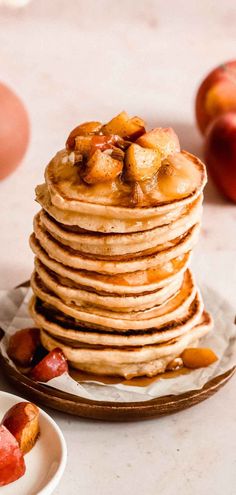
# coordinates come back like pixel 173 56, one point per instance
pixel 14 316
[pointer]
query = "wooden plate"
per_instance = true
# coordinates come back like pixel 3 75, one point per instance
pixel 109 411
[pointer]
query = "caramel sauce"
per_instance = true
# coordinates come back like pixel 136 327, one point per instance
pixel 143 381
pixel 184 179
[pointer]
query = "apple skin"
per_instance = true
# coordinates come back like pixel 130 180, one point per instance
pixel 22 420
pixel 220 153
pixel 216 94
pixel 51 366
pixel 12 464
pixel 14 131
pixel 22 346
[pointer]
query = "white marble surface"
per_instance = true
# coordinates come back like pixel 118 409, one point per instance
pixel 76 60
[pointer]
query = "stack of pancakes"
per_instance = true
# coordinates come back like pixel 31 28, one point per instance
pixel 112 286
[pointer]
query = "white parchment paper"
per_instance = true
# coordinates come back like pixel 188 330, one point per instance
pixel 14 316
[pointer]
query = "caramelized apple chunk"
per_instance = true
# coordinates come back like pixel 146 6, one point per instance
pixel 22 346
pixel 177 176
pixel 22 420
pixel 198 357
pixel 141 164
pixel 101 167
pixel 83 144
pixel 164 140
pixel 87 145
pixel 125 127
pixel 85 129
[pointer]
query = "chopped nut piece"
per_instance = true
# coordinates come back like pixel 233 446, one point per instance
pixel 101 167
pixel 175 364
pixel 137 195
pixel 198 357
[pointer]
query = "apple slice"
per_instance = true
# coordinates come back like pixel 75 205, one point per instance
pixel 178 176
pixel 141 164
pixel 22 346
pixel 198 357
pixel 164 140
pixel 101 167
pixel 125 127
pixel 51 366
pixel 22 420
pixel 85 129
pixel 12 464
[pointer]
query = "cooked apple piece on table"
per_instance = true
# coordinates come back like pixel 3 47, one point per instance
pixel 12 464
pixel 101 167
pixel 141 163
pixel 52 365
pixel 164 140
pixel 22 346
pixel 86 129
pixel 125 127
pixel 22 420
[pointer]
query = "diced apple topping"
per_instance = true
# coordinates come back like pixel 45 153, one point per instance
pixel 101 167
pixel 141 163
pixel 125 127
pixel 86 129
pixel 177 176
pixel 164 140
pixel 87 145
pixel 83 144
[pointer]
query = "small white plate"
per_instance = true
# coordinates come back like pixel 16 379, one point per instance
pixel 45 463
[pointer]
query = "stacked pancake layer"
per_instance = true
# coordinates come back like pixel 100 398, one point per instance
pixel 112 286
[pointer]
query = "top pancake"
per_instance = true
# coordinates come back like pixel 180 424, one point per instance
pixel 69 192
pixel 106 206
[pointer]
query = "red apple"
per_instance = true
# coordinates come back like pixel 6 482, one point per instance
pixel 12 464
pixel 51 366
pixel 22 420
pixel 220 153
pixel 23 344
pixel 14 130
pixel 216 95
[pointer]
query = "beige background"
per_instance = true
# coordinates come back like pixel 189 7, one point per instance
pixel 75 60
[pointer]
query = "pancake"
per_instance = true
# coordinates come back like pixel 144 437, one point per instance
pixel 121 257
pixel 119 244
pixel 74 259
pixel 69 192
pixel 127 283
pixel 129 362
pixel 103 224
pixel 157 316
pixel 67 329
pixel 63 289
